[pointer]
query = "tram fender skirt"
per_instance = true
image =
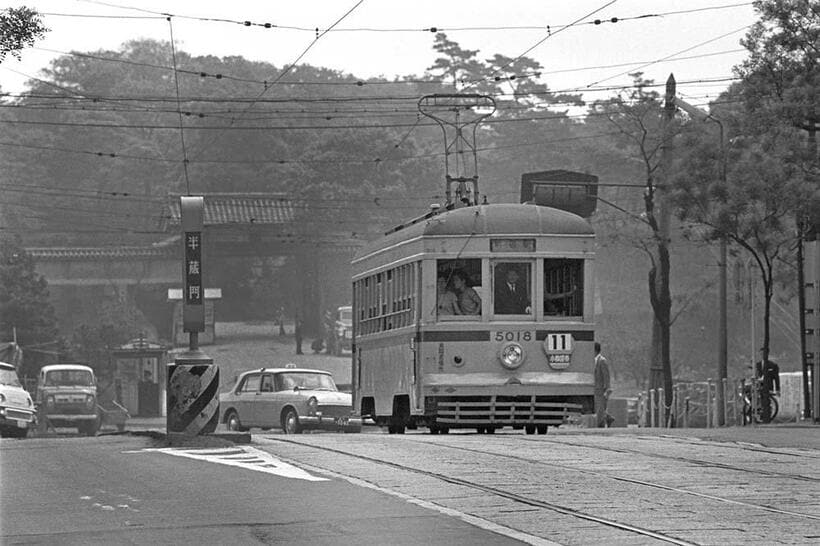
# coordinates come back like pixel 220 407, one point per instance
pixel 193 399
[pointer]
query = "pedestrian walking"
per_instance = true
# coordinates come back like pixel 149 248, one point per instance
pixel 297 331
pixel 602 389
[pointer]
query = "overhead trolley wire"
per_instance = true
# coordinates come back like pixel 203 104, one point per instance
pixel 433 29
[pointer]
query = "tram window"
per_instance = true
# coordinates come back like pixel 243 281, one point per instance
pixel 563 287
pixel 458 290
pixel 511 288
pixel 385 301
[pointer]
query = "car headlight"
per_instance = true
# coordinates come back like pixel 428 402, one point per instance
pixel 29 402
pixel 312 404
pixel 50 401
pixel 511 355
pixel 89 401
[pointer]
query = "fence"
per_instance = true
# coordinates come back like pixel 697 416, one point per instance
pixel 697 404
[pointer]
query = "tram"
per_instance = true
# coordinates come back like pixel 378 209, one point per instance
pixel 443 339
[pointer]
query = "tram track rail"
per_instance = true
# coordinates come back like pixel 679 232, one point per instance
pixel 697 462
pixel 644 483
pixel 515 497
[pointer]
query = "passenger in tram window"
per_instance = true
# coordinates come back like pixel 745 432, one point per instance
pixel 469 303
pixel 511 297
pixel 447 299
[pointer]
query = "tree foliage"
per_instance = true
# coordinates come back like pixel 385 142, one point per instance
pixel 19 28
pixel 25 310
pixel 760 184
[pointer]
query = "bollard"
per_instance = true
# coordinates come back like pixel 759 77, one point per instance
pixel 723 385
pixel 641 406
pixel 661 406
pixel 192 396
pixel 686 412
pixel 652 408
pixel 708 403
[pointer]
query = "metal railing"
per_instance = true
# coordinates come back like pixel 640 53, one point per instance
pixel 697 404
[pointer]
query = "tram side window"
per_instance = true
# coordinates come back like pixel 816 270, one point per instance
pixel 563 287
pixel 511 288
pixel 386 300
pixel 459 289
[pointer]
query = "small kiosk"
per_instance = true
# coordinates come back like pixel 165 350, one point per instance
pixel 139 377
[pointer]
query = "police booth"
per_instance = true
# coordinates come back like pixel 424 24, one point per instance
pixel 139 377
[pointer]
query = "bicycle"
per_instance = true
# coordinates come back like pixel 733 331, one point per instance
pixel 764 403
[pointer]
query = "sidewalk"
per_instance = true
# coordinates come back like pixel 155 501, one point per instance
pixel 800 435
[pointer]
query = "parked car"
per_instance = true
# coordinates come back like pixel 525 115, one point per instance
pixel 293 399
pixel 344 329
pixel 67 397
pixel 16 407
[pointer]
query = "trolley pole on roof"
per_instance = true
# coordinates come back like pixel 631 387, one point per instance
pixel 454 113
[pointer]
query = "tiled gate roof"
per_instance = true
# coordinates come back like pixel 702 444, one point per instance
pixel 239 208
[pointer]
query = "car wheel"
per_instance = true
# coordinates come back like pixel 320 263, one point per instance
pixel 529 429
pixel 233 423
pixel 290 423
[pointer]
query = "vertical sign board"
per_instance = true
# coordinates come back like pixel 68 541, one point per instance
pixel 192 212
pixel 192 398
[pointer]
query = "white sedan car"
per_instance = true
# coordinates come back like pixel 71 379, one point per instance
pixel 16 407
pixel 293 399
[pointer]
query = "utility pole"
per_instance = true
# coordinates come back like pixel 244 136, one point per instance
pixel 804 226
pixel 723 368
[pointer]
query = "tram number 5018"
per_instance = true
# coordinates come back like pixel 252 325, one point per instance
pixel 514 336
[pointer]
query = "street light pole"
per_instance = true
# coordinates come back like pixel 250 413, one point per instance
pixel 722 370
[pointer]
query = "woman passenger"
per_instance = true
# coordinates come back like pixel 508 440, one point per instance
pixel 469 302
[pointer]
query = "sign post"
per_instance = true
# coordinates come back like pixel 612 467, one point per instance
pixel 193 379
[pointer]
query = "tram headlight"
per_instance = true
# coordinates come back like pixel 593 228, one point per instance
pixel 511 355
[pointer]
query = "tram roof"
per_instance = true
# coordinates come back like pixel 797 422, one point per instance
pixel 495 219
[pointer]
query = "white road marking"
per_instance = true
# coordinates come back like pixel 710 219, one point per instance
pixel 253 459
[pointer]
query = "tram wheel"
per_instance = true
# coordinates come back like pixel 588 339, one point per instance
pixel 529 429
pixel 542 429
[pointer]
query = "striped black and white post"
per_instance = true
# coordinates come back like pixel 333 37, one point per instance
pixel 192 399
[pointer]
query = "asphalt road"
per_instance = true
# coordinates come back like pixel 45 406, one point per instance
pixel 126 490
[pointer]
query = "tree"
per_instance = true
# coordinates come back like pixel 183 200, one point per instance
pixel 19 28
pixel 754 206
pixel 771 180
pixel 645 132
pixel 25 311
pixel 456 64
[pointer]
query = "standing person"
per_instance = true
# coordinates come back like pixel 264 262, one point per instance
pixel 511 296
pixel 330 332
pixel 297 332
pixel 469 302
pixel 280 318
pixel 602 388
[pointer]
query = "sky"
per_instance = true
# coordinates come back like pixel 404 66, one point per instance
pixel 390 38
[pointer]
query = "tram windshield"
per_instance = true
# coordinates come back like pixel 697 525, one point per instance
pixel 512 283
pixel 459 291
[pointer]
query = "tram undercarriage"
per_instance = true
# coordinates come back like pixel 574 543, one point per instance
pixel 487 413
